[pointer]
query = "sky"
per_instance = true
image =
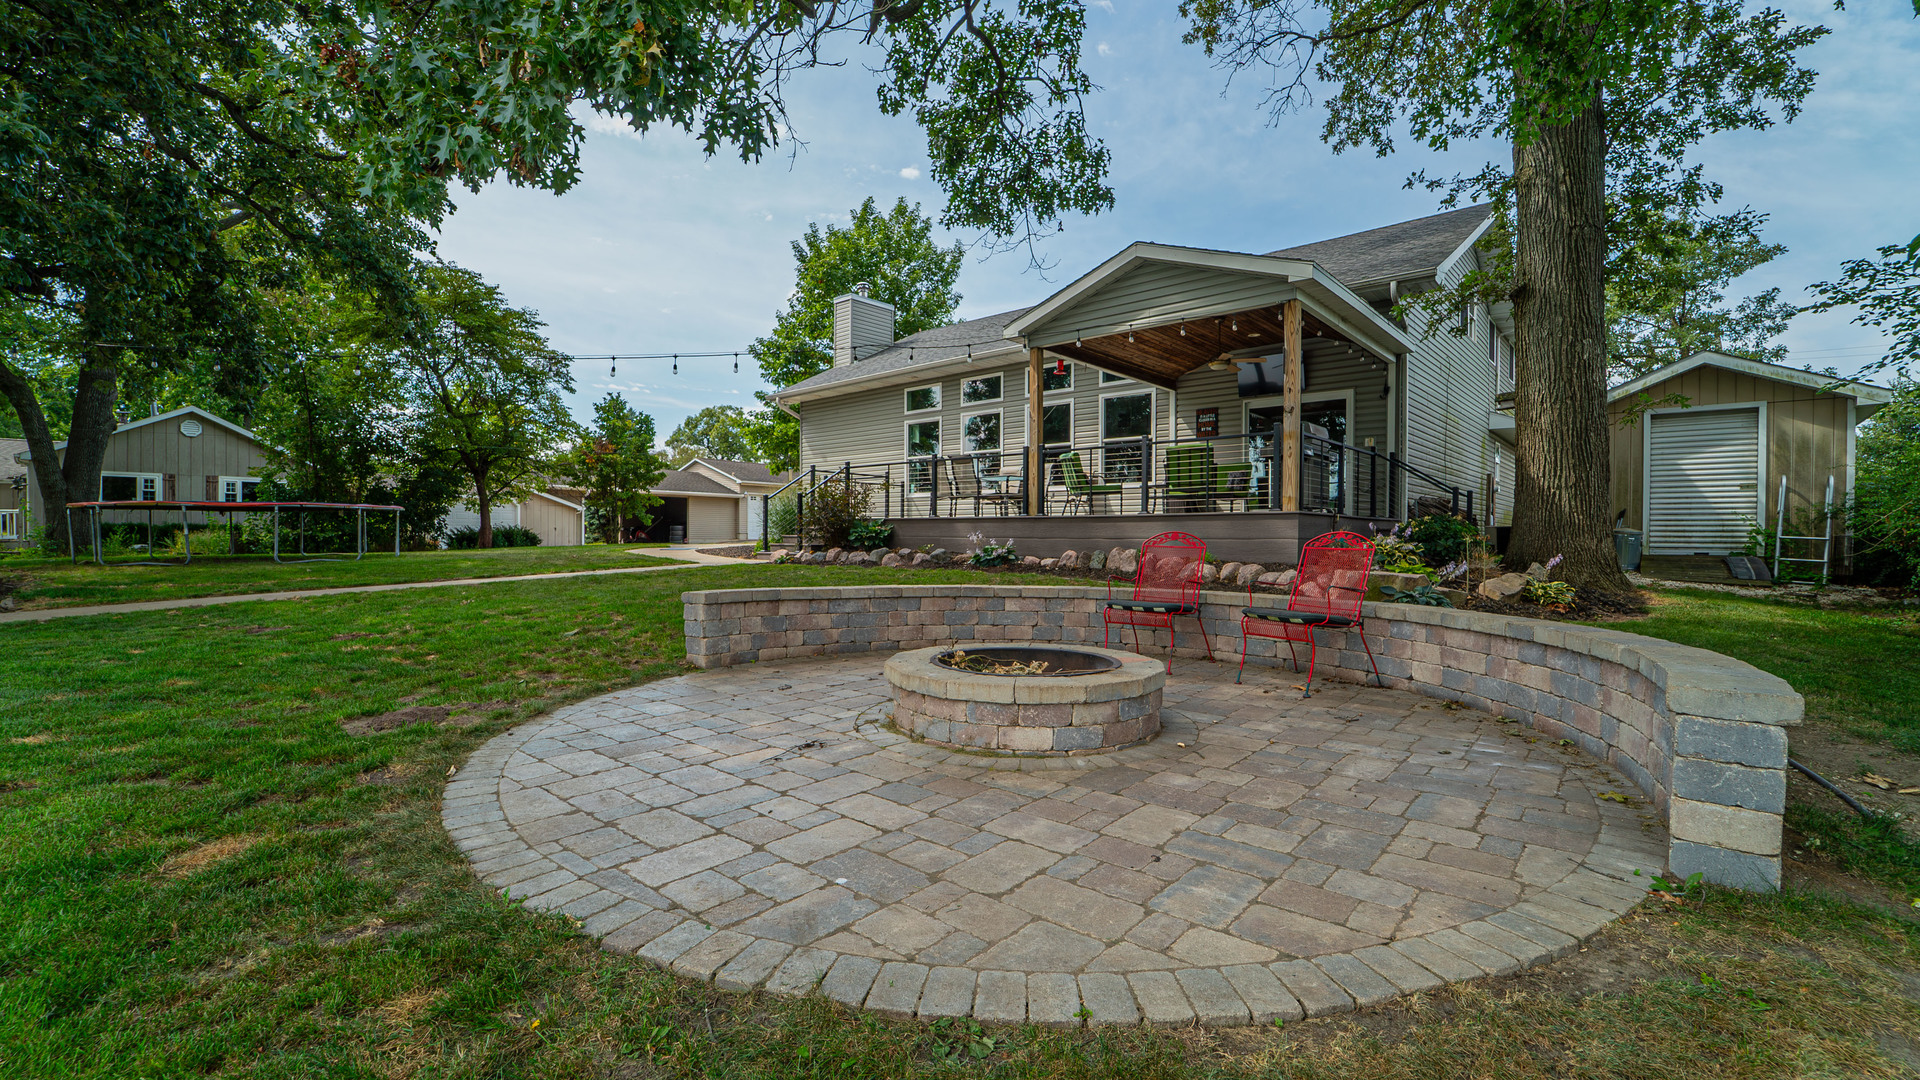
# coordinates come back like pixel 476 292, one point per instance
pixel 660 248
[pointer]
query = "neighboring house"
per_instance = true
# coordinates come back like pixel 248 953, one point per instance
pixel 558 515
pixel 713 501
pixel 1188 385
pixel 1697 478
pixel 14 494
pixel 187 455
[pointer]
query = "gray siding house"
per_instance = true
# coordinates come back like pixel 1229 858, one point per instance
pixel 1254 399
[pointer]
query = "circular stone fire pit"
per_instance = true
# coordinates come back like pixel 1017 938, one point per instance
pixel 1084 700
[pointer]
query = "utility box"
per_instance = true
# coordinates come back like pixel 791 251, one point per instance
pixel 1626 544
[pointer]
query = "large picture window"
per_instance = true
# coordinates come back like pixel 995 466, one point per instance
pixel 1125 417
pixel 923 444
pixel 923 398
pixel 1056 433
pixel 129 487
pixel 984 388
pixel 1056 376
pixel 980 435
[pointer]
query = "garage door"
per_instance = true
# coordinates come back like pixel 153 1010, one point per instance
pixel 1702 481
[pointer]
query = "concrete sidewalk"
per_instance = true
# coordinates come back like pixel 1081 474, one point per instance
pixel 692 560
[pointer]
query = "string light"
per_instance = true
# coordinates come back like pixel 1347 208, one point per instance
pixel 676 363
pixel 1129 337
pixel 1183 329
pixel 736 363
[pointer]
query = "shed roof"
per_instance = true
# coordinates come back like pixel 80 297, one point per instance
pixel 749 472
pixel 683 482
pixel 1866 393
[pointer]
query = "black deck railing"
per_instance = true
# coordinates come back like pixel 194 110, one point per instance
pixel 1226 473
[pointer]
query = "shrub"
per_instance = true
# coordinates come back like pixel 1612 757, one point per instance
pixel 833 510
pixel 1443 538
pixel 986 552
pixel 1548 593
pixel 867 535
pixel 1424 595
pixel 504 536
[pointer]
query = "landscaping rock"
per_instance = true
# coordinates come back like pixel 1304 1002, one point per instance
pixel 1278 579
pixel 921 558
pixel 1096 560
pixel 1030 560
pixel 892 559
pixel 834 555
pixel 1457 596
pixel 1069 558
pixel 1501 587
pixel 7 604
pixel 1049 564
pixel 878 553
pixel 1124 561
pixel 1537 572
pixel 905 553
pixel 1209 573
pixel 1229 570
pixel 938 553
pixel 781 553
pixel 1249 572
pixel 1404 582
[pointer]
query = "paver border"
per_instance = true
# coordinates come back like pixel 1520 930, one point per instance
pixel 1703 735
pixel 627 918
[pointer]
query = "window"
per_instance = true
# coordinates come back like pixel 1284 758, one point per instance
pixel 1466 318
pixel 923 441
pixel 129 487
pixel 984 388
pixel 1110 377
pixel 238 488
pixel 1124 417
pixel 923 398
pixel 980 434
pixel 1056 429
pixel 1052 378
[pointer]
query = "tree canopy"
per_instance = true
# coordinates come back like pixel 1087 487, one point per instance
pixel 1886 292
pixel 615 462
pixel 1666 295
pixel 717 431
pixel 894 253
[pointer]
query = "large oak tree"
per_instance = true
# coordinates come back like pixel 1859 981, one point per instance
pixel 1600 103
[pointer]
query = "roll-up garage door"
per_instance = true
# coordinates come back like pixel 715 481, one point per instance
pixel 1703 471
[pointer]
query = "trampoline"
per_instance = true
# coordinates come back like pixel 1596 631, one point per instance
pixel 359 510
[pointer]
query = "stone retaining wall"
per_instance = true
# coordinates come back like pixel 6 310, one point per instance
pixel 1702 734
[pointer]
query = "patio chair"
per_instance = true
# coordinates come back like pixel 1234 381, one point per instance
pixel 1328 587
pixel 1166 586
pixel 963 483
pixel 1081 487
pixel 1189 485
pixel 1007 492
pixel 1233 482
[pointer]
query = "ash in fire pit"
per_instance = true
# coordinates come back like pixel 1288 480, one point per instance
pixel 1026 660
pixel 1027 699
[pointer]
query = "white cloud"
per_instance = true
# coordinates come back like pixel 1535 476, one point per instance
pixel 601 124
pixel 1103 49
pixel 909 173
pixel 1104 5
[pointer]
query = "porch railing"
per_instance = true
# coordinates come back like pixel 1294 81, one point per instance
pixel 1227 473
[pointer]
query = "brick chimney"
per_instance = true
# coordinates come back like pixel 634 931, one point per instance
pixel 862 326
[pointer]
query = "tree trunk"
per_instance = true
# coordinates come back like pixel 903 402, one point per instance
pixel 485 503
pixel 1561 501
pixel 76 476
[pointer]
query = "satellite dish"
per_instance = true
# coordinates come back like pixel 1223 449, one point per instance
pixel 190 428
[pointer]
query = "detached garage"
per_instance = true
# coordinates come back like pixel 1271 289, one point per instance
pixel 1696 478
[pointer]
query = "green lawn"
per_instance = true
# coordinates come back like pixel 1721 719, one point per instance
pixel 202 874
pixel 1858 669
pixel 60 583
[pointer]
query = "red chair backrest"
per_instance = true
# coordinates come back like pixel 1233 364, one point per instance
pixel 1332 576
pixel 1169 571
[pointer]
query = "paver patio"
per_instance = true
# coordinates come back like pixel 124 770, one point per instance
pixel 1266 857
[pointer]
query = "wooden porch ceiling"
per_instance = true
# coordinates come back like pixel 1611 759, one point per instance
pixel 1160 355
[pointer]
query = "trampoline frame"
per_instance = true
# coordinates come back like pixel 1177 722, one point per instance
pixel 95 536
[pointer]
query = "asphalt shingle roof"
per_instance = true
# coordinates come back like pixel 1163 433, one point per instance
pixel 683 481
pixel 751 472
pixel 8 448
pixel 1404 250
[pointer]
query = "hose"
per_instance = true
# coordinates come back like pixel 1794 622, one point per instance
pixel 1828 784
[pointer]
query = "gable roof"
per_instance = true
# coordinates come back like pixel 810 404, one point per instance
pixel 955 341
pixel 1866 393
pixel 683 482
pixel 10 447
pixel 747 472
pixel 1409 249
pixel 185 410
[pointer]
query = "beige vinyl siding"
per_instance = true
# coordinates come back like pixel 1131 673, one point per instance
pixel 1448 393
pixel 1806 438
pixel 712 519
pixel 184 464
pixel 1154 292
pixel 556 525
pixel 860 328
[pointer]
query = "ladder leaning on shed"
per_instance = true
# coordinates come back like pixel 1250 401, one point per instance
pixel 1780 529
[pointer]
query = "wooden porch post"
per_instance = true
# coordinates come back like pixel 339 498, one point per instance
pixel 1290 423
pixel 1036 452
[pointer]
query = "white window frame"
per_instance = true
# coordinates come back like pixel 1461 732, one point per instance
pixel 1000 427
pixel 1000 377
pixel 1110 377
pixel 1054 472
pixel 1045 390
pixel 159 485
pixel 1153 423
pixel 906 449
pixel 1247 405
pixel 239 490
pixel 906 399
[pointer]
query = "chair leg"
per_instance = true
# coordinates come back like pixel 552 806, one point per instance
pixel 1312 648
pixel 1243 651
pixel 1204 638
pixel 1295 654
pixel 1361 629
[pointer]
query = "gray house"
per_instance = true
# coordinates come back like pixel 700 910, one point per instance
pixel 1253 399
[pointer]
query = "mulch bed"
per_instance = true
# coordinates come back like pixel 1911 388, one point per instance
pixel 1589 605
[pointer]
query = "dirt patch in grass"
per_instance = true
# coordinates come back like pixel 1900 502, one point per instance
pixel 352 636
pixel 1844 760
pixel 34 740
pixel 743 551
pixel 390 775
pixel 266 629
pixel 194 860
pixel 461 715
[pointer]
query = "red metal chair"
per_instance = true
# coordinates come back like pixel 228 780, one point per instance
pixel 1166 586
pixel 1328 588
